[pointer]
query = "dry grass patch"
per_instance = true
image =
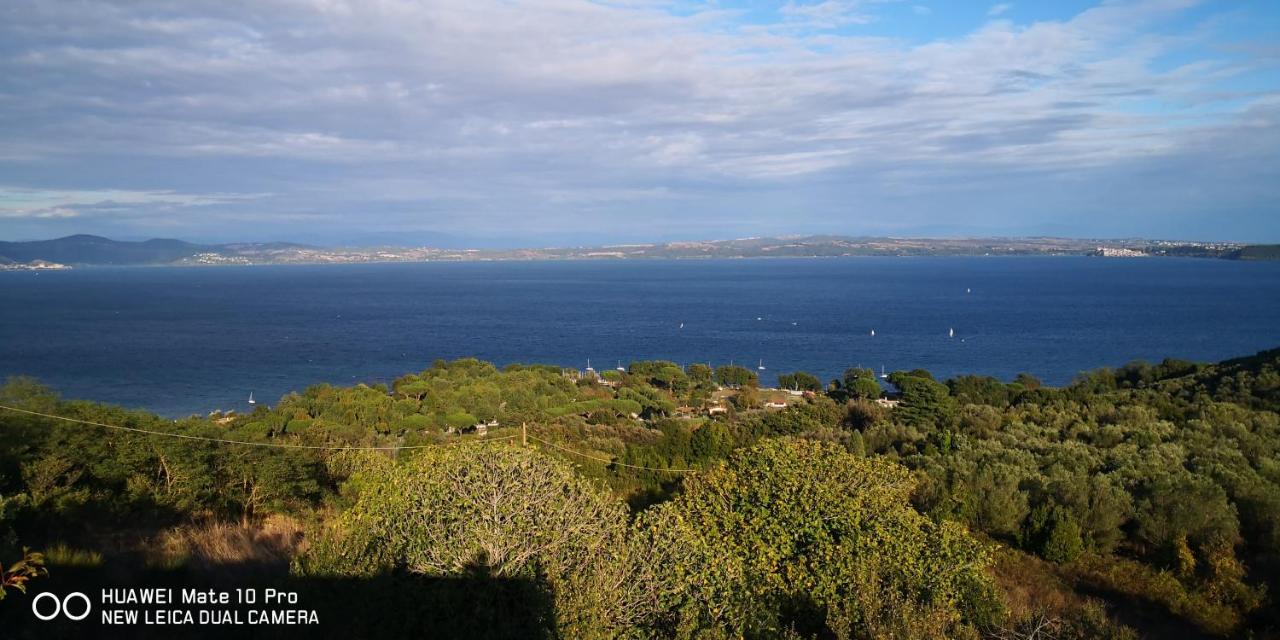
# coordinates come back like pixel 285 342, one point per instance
pixel 62 555
pixel 217 545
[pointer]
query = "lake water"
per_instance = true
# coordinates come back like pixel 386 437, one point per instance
pixel 189 340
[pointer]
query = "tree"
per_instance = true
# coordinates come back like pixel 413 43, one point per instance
pixel 925 403
pixel 747 398
pixel 18 574
pixel 700 374
pixel 671 378
pixel 502 513
pixel 1063 543
pixel 856 384
pixel 799 381
pixel 1028 381
pixel 735 376
pixel 997 504
pixel 659 373
pixel 711 441
pixel 803 536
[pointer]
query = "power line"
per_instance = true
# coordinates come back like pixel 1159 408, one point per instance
pixel 608 461
pixel 278 445
pixel 286 445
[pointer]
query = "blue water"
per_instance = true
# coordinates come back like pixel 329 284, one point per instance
pixel 189 340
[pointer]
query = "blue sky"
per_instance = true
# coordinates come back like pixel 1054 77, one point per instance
pixel 559 122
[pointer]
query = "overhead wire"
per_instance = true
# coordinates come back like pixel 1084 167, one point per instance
pixel 289 445
pixel 608 461
pixel 278 445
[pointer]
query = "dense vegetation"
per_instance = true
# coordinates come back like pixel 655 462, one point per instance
pixel 1142 500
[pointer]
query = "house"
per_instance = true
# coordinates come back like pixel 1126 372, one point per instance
pixel 716 409
pixel 772 404
pixel 888 403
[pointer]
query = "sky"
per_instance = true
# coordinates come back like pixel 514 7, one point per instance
pixel 493 123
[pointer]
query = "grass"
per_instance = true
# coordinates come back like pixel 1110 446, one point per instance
pixel 61 555
pixel 218 545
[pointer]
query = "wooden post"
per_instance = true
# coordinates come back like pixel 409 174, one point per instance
pixel 524 435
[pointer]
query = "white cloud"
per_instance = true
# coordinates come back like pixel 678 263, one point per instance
pixel 484 107
pixel 827 14
pixel 17 202
pixel 999 9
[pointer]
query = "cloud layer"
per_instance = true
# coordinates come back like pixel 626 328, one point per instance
pixel 553 121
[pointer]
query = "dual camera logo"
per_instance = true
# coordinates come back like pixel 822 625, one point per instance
pixel 47 606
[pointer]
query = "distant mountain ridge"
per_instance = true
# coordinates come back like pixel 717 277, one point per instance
pixel 88 250
pixel 84 249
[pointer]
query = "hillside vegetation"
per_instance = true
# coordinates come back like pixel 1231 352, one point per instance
pixel 667 502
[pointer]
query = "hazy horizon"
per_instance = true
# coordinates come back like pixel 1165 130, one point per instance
pixel 497 245
pixel 566 122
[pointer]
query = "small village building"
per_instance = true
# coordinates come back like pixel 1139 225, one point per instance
pixel 482 428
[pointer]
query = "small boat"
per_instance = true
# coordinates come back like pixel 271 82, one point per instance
pixel 873 333
pixel 968 290
pixel 681 325
pixel 761 365
pixel 759 318
pixel 951 333
pixel 882 373
pixel 251 400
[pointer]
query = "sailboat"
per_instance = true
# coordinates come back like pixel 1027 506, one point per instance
pixel 589 369
pixel 251 400
pixel 620 367
pixel 761 365
pixel 882 373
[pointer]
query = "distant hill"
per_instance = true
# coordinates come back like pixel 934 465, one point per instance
pixel 96 250
pixel 86 249
pixel 1257 252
